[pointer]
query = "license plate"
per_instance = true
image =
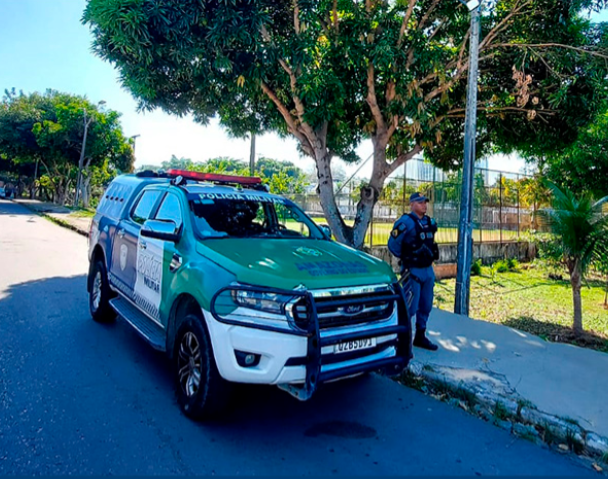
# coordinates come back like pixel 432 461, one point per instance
pixel 356 345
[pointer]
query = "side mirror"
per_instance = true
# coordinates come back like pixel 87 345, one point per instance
pixel 165 230
pixel 327 230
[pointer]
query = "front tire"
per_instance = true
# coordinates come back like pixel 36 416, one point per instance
pixel 100 294
pixel 201 392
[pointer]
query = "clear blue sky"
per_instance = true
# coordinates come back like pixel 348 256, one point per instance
pixel 44 45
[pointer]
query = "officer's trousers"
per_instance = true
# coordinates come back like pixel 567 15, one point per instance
pixel 422 283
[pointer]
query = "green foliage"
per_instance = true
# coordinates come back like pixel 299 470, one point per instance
pixel 513 264
pixel 501 266
pixel 476 267
pixel 583 166
pixel 49 128
pixel 282 177
pixel 577 224
pixel 579 227
pixel 333 73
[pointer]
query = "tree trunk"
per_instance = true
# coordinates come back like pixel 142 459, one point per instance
pixel 60 194
pixel 575 281
pixel 328 198
pixel 352 236
pixel 86 192
pixel 606 294
pixel 85 182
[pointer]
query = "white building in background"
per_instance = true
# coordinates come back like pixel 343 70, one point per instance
pixel 422 171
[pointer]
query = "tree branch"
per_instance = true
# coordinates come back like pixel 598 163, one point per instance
pixel 553 45
pixel 296 17
pixel 427 15
pixel 517 10
pixel 505 108
pixel 406 20
pixel 461 52
pixel 289 119
pixel 372 100
pixel 335 15
pixel 401 159
pixel 307 130
pixel 298 102
pixel 441 24
pixel 447 85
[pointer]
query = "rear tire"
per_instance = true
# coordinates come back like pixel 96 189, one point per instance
pixel 100 294
pixel 202 393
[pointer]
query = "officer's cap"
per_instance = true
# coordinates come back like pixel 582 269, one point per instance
pixel 418 198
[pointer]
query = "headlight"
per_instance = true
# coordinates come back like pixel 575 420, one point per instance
pixel 268 302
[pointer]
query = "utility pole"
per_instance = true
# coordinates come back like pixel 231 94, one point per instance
pixel 81 160
pixel 33 190
pixel 134 138
pixel 465 228
pixel 252 155
pixel 82 153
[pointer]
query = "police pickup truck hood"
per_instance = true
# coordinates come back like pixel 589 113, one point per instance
pixel 287 264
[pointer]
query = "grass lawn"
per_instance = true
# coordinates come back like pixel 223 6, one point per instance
pixel 381 232
pixel 83 213
pixel 529 301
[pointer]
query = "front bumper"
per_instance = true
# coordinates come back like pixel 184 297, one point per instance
pixel 299 359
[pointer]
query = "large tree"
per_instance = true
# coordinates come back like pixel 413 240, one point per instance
pixel 334 72
pixel 49 128
pixel 583 166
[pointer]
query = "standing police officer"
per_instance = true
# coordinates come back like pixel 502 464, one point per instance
pixel 413 241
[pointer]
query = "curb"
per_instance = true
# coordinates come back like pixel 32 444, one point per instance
pixel 487 395
pixel 64 223
pixel 57 221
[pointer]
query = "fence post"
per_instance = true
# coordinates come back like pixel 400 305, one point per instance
pixel 404 185
pixel 500 205
pixel 371 229
pixel 518 210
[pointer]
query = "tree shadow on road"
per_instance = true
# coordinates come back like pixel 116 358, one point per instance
pixel 51 315
pixel 10 208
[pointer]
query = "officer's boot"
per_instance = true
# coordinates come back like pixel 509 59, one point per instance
pixel 421 341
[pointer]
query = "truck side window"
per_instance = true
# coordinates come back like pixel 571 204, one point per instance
pixel 170 210
pixel 144 206
pixel 289 220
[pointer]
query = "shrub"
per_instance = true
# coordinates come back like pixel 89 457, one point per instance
pixel 513 264
pixel 476 268
pixel 501 266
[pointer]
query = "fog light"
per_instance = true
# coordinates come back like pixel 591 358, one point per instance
pixel 247 360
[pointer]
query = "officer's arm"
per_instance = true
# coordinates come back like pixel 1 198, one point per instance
pixel 409 234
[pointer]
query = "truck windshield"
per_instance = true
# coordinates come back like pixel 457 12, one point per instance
pixel 248 216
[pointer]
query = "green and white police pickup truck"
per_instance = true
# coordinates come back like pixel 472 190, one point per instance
pixel 238 285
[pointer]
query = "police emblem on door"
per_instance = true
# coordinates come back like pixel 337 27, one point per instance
pixel 124 251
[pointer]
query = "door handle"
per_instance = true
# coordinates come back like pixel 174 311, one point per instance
pixel 121 233
pixel 142 245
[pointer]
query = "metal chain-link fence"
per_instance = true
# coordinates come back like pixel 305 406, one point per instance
pixel 503 211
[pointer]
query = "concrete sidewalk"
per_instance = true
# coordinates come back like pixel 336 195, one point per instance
pixel 539 384
pixel 59 214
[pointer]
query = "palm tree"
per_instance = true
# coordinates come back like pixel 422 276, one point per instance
pixel 578 225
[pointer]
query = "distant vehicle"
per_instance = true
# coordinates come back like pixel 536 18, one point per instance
pixel 238 285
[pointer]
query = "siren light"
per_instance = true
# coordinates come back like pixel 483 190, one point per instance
pixel 212 177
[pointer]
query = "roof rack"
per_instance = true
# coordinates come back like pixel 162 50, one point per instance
pixel 244 181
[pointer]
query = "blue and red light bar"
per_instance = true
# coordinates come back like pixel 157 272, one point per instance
pixel 212 177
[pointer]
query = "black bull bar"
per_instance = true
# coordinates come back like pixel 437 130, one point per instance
pixel 285 323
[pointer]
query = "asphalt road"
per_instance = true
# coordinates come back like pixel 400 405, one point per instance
pixel 78 397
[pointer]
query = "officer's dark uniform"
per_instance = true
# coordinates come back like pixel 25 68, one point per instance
pixel 413 241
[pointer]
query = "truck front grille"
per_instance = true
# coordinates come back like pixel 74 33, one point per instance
pixel 346 308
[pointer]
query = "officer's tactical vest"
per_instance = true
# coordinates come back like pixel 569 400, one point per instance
pixel 424 250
